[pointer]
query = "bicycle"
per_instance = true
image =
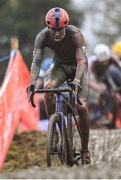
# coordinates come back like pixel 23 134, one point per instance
pixel 107 108
pixel 112 98
pixel 61 124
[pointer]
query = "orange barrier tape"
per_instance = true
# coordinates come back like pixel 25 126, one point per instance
pixel 15 111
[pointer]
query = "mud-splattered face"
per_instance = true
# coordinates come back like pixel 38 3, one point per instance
pixel 57 34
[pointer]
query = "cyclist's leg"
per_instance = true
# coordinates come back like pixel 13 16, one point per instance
pixel 54 76
pixel 84 119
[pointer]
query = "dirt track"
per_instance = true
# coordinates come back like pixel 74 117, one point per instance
pixel 105 147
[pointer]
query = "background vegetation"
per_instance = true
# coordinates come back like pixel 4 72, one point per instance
pixel 100 22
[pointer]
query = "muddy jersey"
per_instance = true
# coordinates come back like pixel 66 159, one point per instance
pixel 68 51
pixel 64 50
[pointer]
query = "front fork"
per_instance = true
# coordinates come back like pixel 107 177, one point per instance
pixel 69 121
pixel 59 110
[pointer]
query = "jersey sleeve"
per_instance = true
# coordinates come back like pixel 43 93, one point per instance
pixel 78 40
pixel 39 41
pixel 81 58
pixel 79 44
pixel 37 57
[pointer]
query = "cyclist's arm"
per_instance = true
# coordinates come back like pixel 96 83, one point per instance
pixel 37 58
pixel 116 60
pixel 80 56
pixel 94 84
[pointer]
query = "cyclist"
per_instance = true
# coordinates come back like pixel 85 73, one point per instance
pixel 105 71
pixel 106 67
pixel 116 49
pixel 70 62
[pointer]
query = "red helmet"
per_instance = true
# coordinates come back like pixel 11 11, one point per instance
pixel 57 18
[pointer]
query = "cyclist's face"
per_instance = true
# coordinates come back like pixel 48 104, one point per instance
pixel 57 34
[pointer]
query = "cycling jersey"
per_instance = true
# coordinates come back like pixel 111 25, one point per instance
pixel 68 52
pixel 64 50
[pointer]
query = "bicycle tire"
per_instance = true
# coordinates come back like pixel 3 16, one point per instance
pixel 54 121
pixel 70 154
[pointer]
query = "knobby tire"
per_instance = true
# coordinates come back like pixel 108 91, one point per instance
pixel 54 121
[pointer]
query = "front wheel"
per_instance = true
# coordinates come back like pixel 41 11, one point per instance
pixel 56 141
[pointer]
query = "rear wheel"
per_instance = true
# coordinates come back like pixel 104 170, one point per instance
pixel 56 141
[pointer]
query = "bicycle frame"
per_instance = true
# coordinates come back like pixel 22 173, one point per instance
pixel 59 98
pixel 59 109
pixel 65 124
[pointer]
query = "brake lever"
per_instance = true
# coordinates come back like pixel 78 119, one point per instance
pixel 77 92
pixel 31 99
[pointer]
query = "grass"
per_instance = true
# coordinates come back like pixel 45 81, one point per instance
pixel 27 150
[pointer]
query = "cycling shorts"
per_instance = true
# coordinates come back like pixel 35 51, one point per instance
pixel 60 73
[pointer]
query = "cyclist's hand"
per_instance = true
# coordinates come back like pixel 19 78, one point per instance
pixel 30 88
pixel 77 89
pixel 49 84
pixel 77 86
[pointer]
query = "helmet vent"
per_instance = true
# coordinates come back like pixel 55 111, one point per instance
pixel 57 19
pixel 57 10
pixel 57 22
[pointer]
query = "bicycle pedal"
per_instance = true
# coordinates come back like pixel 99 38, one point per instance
pixel 76 154
pixel 76 160
pixel 54 150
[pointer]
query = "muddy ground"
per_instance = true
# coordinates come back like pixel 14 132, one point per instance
pixel 105 148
